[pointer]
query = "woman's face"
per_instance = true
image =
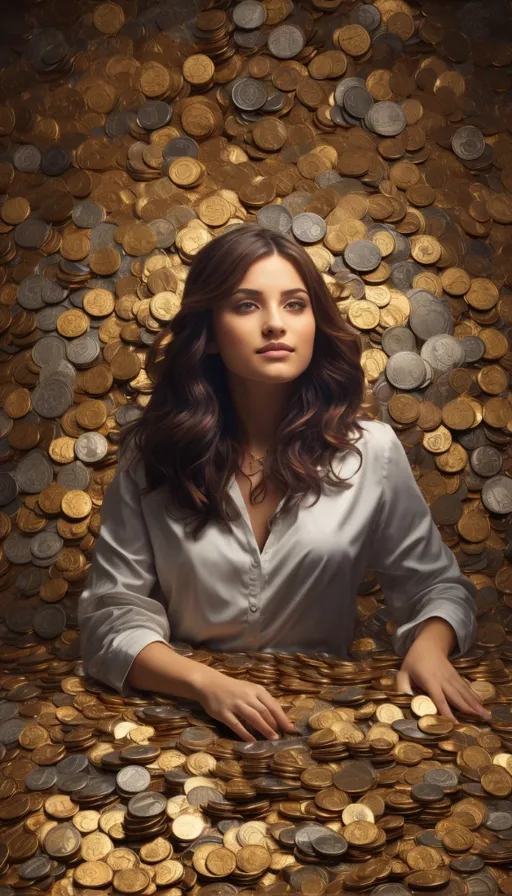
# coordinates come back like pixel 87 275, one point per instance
pixel 271 304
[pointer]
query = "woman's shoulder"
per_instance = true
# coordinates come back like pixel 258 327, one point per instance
pixel 129 460
pixel 369 446
pixel 375 434
pixel 375 440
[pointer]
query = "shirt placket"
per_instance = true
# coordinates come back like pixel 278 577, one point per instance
pixel 256 583
pixel 258 579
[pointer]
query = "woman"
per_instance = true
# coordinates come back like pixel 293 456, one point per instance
pixel 204 533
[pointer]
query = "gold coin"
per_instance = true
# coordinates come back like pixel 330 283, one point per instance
pixel 253 859
pixel 423 706
pixel 108 17
pixel 360 833
pixel 131 880
pixel 93 874
pixel 220 862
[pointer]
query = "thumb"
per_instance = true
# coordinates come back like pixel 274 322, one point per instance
pixel 403 682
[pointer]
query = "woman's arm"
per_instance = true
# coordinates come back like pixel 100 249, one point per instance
pixel 427 593
pixel 116 614
pixel 418 573
pixel 159 668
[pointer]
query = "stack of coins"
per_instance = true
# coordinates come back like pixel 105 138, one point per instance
pixel 377 136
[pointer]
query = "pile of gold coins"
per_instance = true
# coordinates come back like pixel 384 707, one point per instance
pixel 378 135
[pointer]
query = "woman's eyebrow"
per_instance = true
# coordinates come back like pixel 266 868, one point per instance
pixel 258 292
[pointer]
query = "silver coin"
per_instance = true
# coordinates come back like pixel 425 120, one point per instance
pixel 486 461
pixel 133 779
pixel 344 85
pixel 27 158
pixel 41 778
pixel 249 14
pixel 497 496
pixel 468 142
pixel 386 119
pixel 366 15
pixel 398 339
pixel 154 114
pixel 405 370
pixel 91 447
pixel 10 730
pixel 357 101
pixel 249 94
pixel 55 161
pixel 31 233
pixel 35 868
pixel 63 840
pixel 275 217
pixel 147 805
pixel 363 255
pixel 87 214
pixel 443 777
pixel 181 146
pixel 426 792
pixel 443 352
pixel 50 622
pixel 309 227
pixel 286 41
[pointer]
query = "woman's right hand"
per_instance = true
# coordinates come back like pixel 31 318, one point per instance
pixel 230 700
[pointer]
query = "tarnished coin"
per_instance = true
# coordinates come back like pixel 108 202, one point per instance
pixel 386 119
pixel 249 14
pixel 248 94
pixel 362 255
pixel 309 227
pixel 468 142
pixel 63 841
pixel 286 41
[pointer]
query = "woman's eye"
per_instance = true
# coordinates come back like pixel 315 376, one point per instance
pixel 294 302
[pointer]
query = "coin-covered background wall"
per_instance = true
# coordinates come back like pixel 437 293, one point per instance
pixel 379 136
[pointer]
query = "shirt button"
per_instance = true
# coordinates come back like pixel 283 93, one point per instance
pixel 253 608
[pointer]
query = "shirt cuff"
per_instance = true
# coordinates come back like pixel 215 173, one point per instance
pixel 125 648
pixel 464 624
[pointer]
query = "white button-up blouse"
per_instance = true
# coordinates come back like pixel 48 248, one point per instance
pixel 149 582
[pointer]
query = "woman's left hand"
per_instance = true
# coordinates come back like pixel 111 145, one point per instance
pixel 429 668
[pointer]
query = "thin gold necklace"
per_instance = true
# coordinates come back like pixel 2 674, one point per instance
pixel 260 461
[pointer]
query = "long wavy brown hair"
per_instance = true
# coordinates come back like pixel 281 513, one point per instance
pixel 187 436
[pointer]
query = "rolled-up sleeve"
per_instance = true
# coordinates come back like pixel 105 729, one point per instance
pixel 116 615
pixel 417 572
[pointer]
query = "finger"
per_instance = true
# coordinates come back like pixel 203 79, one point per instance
pixel 456 697
pixel 471 696
pixel 403 682
pixel 266 715
pixel 277 712
pixel 252 715
pixel 232 722
pixel 436 694
pixel 465 691
pixel 473 701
